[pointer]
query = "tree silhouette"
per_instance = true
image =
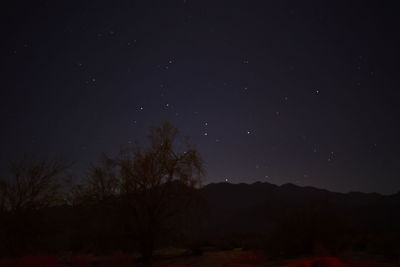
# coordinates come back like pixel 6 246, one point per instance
pixel 103 183
pixel 154 184
pixel 3 190
pixel 97 208
pixel 33 185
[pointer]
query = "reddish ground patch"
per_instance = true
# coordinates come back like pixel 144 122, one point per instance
pixel 318 262
pixel 249 259
pixel 36 261
pixel 333 262
pixel 243 259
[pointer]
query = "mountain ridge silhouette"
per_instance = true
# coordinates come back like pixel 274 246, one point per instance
pixel 237 208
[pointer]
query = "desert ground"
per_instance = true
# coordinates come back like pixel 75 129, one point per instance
pixel 181 257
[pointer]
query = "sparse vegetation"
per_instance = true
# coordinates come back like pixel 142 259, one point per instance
pixel 149 197
pixel 33 186
pixel 146 189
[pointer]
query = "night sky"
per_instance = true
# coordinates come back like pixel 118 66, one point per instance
pixel 277 93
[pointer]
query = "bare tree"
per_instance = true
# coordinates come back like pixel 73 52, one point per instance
pixel 154 183
pixel 3 189
pixel 102 183
pixel 32 186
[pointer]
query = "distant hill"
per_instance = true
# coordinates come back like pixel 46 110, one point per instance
pixel 257 207
pixel 284 221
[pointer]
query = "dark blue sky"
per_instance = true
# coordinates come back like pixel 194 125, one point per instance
pixel 277 93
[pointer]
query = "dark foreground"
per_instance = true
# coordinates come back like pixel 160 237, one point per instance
pixel 174 257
